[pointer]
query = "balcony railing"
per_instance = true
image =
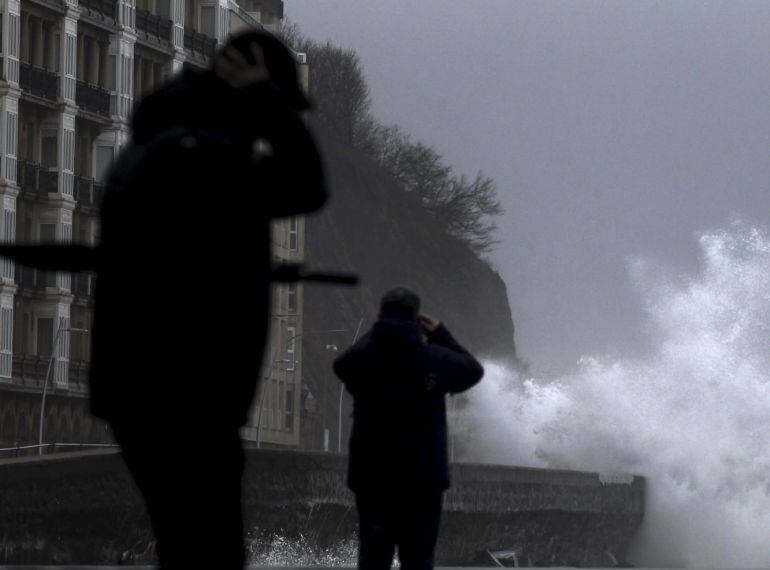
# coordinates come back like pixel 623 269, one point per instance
pixel 34 179
pixel 82 285
pixel 78 374
pixel 88 192
pixel 275 6
pixel 38 81
pixel 200 44
pixel 153 26
pixel 26 279
pixel 105 8
pixel 30 370
pixel 93 98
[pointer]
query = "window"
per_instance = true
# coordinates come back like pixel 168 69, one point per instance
pixel 104 157
pixel 45 337
pixel 163 8
pixel 48 149
pixel 71 53
pixel 9 236
pixel 291 335
pixel 291 298
pixel 293 223
pixel 289 416
pixel 62 352
pixel 48 235
pixel 6 341
pixel 11 145
pixel 112 69
pixel 207 16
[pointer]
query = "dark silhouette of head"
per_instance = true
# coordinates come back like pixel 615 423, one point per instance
pixel 400 302
pixel 280 61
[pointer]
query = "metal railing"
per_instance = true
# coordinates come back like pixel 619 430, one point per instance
pixel 88 192
pixel 198 43
pixel 48 448
pixel 82 286
pixel 26 278
pixel 105 8
pixel 30 370
pixel 93 98
pixel 33 178
pixel 38 81
pixel 154 26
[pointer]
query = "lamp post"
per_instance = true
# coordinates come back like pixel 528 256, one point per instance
pixel 342 394
pixel 54 350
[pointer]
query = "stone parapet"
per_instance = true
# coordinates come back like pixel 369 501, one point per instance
pixel 83 508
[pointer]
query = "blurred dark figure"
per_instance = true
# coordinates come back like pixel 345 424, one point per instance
pixel 398 374
pixel 183 290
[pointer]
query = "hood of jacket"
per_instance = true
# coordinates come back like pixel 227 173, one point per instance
pixel 200 100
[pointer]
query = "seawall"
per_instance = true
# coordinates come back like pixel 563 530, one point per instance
pixel 82 508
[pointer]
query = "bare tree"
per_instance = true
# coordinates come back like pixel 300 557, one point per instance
pixel 339 90
pixel 466 209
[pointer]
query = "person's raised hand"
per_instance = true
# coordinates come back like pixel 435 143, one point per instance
pixel 429 324
pixel 233 68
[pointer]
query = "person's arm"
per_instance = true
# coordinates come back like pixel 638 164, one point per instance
pixel 286 160
pixel 455 367
pixel 53 257
pixel 350 366
pixel 288 166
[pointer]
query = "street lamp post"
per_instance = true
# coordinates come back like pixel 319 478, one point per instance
pixel 54 350
pixel 342 394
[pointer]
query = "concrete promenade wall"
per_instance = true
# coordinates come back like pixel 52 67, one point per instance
pixel 83 508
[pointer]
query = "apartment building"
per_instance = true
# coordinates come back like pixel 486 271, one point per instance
pixel 70 73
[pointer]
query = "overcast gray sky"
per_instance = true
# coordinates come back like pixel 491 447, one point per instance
pixel 613 129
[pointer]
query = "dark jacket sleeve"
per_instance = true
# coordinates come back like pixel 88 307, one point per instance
pixel 53 257
pixel 292 166
pixel 456 368
pixel 350 365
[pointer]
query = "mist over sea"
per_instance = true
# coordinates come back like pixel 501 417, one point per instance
pixel 692 415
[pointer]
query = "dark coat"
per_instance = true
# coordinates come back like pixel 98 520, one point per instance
pixel 398 382
pixel 182 293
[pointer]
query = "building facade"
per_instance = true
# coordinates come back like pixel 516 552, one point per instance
pixel 70 73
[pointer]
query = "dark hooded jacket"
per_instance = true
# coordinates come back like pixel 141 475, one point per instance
pixel 182 295
pixel 398 381
pixel 183 290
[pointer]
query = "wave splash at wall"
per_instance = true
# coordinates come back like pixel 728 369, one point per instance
pixel 693 415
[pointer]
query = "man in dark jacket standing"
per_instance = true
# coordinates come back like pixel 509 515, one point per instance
pixel 398 374
pixel 183 284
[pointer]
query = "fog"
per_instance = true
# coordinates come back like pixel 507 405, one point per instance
pixel 615 131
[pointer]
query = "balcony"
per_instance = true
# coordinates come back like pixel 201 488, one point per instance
pixel 154 27
pixel 103 8
pixel 27 280
pixel 35 180
pixel 93 99
pixel 30 370
pixel 274 6
pixel 199 44
pixel 38 81
pixel 88 192
pixel 78 375
pixel 82 286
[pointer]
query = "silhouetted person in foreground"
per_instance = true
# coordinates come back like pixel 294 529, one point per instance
pixel 183 289
pixel 398 374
